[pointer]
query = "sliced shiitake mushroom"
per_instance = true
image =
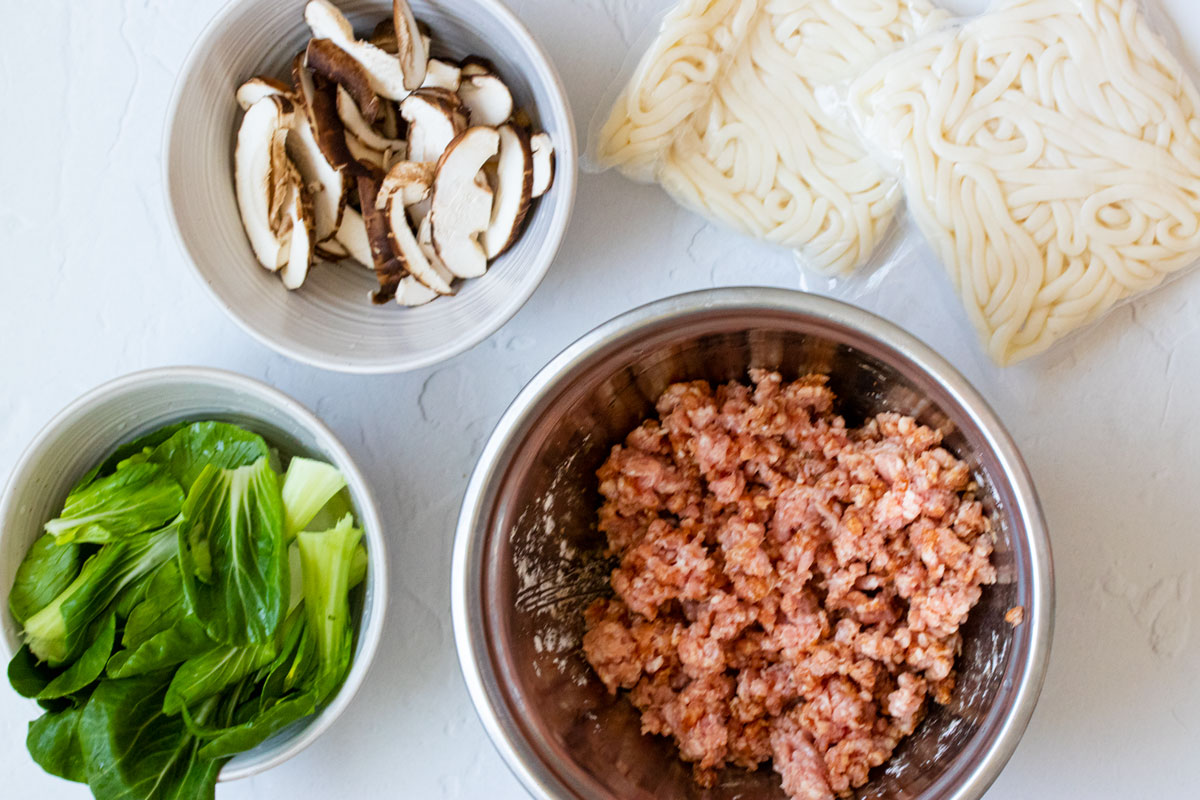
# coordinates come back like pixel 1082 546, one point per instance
pixel 476 65
pixel 389 269
pixel 487 100
pixel 319 97
pixel 301 243
pixel 412 49
pixel 461 208
pixel 442 75
pixel 257 88
pixel 404 243
pixel 543 163
pixel 513 187
pixel 263 177
pixel 412 180
pixel 325 183
pixel 352 237
pixel 356 124
pixel 391 76
pixel 434 117
pixel 335 65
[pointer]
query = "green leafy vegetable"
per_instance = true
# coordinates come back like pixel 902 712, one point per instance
pixel 55 633
pixel 165 630
pixel 208 444
pixel 89 666
pixel 138 498
pixel 307 487
pixel 48 568
pixel 234 562
pixel 204 675
pixel 126 452
pixel 53 741
pixel 134 750
pixel 160 631
pixel 326 558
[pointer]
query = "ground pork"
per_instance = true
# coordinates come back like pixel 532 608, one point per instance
pixel 788 589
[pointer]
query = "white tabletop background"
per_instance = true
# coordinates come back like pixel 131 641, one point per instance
pixel 95 287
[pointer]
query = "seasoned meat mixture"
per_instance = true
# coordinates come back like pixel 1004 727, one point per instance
pixel 789 589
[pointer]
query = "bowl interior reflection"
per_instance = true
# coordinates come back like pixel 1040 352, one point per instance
pixel 542 559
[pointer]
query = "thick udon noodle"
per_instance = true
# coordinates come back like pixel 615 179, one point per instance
pixel 722 112
pixel 1051 153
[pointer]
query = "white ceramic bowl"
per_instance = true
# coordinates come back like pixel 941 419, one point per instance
pixel 330 322
pixel 91 427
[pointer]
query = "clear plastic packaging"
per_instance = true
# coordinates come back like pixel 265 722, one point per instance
pixel 723 110
pixel 1049 151
pixel 1050 154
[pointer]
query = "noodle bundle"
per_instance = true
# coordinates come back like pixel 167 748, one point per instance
pixel 723 112
pixel 1050 151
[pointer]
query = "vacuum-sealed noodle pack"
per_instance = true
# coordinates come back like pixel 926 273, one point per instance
pixel 1048 150
pixel 723 112
pixel 1050 153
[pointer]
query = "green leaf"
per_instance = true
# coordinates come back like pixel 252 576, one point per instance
pixel 307 487
pixel 233 559
pixel 162 607
pixel 129 451
pixel 27 676
pixel 326 558
pixel 218 444
pixel 90 665
pixel 48 568
pixel 263 726
pixel 57 632
pixel 166 648
pixel 209 673
pixel 133 750
pixel 138 498
pixel 53 741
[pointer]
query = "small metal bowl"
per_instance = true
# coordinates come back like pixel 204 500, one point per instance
pixel 526 555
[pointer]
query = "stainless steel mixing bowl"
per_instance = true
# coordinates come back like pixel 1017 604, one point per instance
pixel 527 556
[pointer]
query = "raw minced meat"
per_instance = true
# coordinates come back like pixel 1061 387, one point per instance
pixel 789 589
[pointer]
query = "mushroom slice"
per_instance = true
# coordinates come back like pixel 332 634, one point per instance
pixel 330 250
pixel 543 163
pixel 461 209
pixel 411 180
pixel 262 175
pixel 319 98
pixel 374 160
pixel 384 37
pixel 513 190
pixel 389 269
pixel 442 75
pixel 386 71
pixel 300 247
pixel 257 88
pixel 355 123
pixel 406 248
pixel 335 64
pixel 352 237
pixel 389 120
pixel 487 99
pixel 476 65
pixel 425 240
pixel 411 47
pixel 325 183
pixel 411 292
pixel 434 119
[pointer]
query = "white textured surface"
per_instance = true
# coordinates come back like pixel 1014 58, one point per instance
pixel 96 288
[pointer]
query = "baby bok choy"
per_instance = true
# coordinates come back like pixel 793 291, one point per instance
pixel 165 626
